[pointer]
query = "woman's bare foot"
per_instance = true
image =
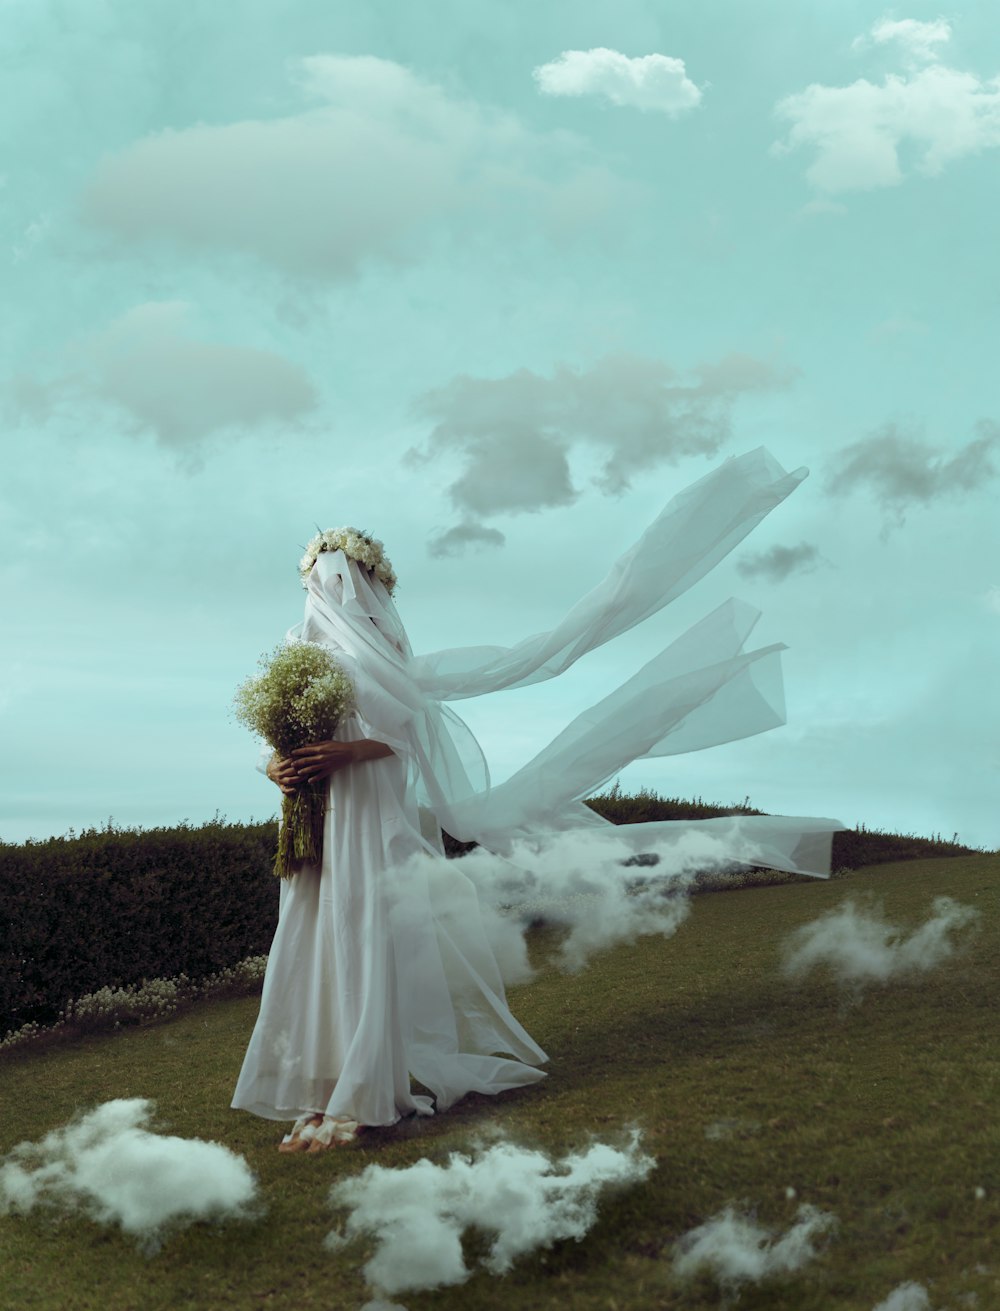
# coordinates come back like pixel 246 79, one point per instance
pixel 302 1133
pixel 318 1133
pixel 335 1131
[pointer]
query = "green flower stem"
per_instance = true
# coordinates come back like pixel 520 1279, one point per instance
pixel 300 837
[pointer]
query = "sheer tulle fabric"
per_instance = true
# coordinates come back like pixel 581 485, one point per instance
pixel 688 538
pixel 369 980
pixel 364 986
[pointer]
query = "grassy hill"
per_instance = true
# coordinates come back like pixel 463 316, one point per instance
pixel 745 1087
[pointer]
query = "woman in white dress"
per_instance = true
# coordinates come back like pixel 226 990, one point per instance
pixel 362 980
pixel 376 975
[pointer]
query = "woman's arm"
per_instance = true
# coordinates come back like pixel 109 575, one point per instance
pixel 320 759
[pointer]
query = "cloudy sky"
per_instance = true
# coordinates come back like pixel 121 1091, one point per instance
pixel 493 282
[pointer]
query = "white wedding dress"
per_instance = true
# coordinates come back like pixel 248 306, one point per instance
pixel 381 969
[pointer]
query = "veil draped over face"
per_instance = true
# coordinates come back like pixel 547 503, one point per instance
pixel 704 689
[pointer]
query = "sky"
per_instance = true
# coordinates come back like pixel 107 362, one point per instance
pixel 494 283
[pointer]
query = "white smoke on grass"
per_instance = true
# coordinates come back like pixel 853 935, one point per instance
pixel 861 947
pixel 907 1297
pixel 734 1249
pixel 520 1197
pixel 110 1165
pixel 589 883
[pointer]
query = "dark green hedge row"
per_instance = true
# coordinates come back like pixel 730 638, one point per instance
pixel 118 906
pixel 854 847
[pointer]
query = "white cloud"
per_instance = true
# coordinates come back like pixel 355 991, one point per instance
pixel 110 1165
pixel 525 470
pixel 363 174
pixel 902 471
pixel 917 40
pixel 590 884
pixel 454 541
pixel 898 327
pixel 513 434
pixel 820 206
pixel 647 82
pixel 992 599
pixel 856 131
pixel 521 1198
pixel 581 881
pixel 906 1297
pixel 183 387
pixel 860 947
pixel 170 382
pixel 734 1249
pixel 780 562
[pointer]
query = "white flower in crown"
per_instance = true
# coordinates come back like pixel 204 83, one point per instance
pixel 356 545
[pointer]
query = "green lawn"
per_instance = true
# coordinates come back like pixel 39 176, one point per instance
pixel 887 1114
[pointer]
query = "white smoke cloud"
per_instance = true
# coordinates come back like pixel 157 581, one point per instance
pixel 861 947
pixel 521 1198
pixel 581 880
pixel 734 1249
pixel 907 1297
pixel 110 1165
pixel 657 82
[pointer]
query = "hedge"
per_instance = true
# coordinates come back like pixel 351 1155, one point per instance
pixel 115 907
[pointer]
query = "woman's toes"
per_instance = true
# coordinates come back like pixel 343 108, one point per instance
pixel 303 1131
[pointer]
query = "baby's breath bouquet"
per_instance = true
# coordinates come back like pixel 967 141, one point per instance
pixel 300 697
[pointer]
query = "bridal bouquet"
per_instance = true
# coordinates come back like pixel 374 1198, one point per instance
pixel 300 697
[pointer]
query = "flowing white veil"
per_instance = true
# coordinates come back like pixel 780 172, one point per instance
pixel 434 953
pixel 702 690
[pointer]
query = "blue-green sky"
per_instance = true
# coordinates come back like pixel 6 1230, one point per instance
pixel 493 281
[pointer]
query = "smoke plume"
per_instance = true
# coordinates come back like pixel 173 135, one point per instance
pixel 108 1164
pixel 591 883
pixel 734 1249
pixel 861 947
pixel 521 1198
pixel 907 1297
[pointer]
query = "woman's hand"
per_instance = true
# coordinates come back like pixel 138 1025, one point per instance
pixel 320 759
pixel 282 771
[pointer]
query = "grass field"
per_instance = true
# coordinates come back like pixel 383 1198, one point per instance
pixel 745 1086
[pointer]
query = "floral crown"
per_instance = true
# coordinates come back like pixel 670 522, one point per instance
pixel 356 545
